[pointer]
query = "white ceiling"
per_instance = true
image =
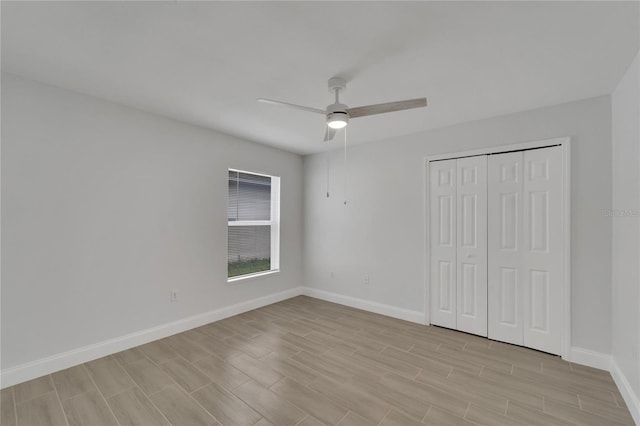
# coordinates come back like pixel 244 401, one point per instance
pixel 207 62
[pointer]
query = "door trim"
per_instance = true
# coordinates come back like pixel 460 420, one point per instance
pixel 565 144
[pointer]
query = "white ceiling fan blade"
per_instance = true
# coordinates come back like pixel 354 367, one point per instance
pixel 286 104
pixel 329 134
pixel 386 107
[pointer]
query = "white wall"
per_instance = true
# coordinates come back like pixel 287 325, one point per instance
pixel 381 230
pixel 625 346
pixel 105 209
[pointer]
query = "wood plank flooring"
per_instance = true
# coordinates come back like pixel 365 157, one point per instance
pixel 309 362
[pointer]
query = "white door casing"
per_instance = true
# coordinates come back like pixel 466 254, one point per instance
pixel 471 265
pixel 543 271
pixel 442 194
pixel 504 250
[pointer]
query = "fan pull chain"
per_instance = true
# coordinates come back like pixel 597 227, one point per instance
pixel 328 167
pixel 345 166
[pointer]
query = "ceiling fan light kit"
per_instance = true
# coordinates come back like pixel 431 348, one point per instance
pixel 337 120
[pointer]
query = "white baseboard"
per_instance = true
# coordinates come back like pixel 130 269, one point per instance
pixel 40 367
pixel 366 305
pixel 630 398
pixel 607 362
pixel 590 358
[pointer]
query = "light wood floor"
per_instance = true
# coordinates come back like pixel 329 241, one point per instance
pixel 309 362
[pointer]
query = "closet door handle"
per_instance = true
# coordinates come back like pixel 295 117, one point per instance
pixel 469 255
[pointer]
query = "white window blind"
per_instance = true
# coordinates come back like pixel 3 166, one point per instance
pixel 249 196
pixel 253 223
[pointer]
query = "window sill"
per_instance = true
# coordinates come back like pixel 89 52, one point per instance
pixel 251 276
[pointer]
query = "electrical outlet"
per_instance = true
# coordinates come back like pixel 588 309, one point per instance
pixel 173 295
pixel 332 275
pixel 366 279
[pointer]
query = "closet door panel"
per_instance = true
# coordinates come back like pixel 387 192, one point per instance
pixel 505 253
pixel 442 231
pixel 471 262
pixel 543 249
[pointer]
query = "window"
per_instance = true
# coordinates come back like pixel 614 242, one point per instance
pixel 253 215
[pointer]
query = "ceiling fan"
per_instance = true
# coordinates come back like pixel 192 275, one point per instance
pixel 338 114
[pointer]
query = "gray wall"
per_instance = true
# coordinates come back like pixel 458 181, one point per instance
pixel 625 329
pixel 381 230
pixel 105 209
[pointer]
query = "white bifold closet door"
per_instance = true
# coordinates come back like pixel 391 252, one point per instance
pixel 525 248
pixel 458 212
pixel 442 230
pixel 471 264
pixel 506 253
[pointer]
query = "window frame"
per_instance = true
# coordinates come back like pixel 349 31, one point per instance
pixel 274 223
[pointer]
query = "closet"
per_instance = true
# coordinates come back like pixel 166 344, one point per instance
pixel 496 257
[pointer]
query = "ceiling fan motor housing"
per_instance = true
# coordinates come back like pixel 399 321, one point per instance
pixel 335 108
